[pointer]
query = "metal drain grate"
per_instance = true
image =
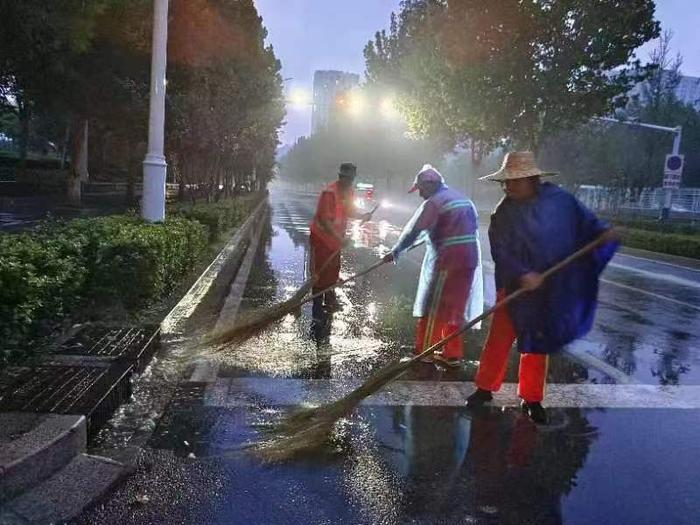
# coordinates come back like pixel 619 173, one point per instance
pixel 93 391
pixel 135 344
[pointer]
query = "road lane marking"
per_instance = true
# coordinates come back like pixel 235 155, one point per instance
pixel 651 294
pixel 672 265
pixel 585 352
pixel 247 392
pixel 658 276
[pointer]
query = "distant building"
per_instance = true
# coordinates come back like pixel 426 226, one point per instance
pixel 687 90
pixel 328 85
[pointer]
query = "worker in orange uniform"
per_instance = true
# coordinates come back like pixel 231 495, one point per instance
pixel 535 226
pixel 336 205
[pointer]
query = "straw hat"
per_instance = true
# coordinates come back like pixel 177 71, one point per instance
pixel 518 165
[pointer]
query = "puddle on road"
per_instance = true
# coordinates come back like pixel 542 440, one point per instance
pixel 441 464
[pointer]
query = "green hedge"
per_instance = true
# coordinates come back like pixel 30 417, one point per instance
pixel 670 243
pixel 218 217
pixel 45 274
pixel 683 228
pixel 40 279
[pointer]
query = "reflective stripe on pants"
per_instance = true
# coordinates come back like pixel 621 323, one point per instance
pixel 428 333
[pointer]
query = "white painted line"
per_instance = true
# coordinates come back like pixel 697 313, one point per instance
pixel 206 370
pixel 651 294
pixel 672 265
pixel 247 392
pixel 584 352
pixel 658 276
pixel 229 311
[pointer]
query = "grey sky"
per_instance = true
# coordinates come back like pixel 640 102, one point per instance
pixel 330 34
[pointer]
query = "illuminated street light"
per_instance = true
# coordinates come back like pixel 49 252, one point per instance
pixel 388 108
pixel 299 98
pixel 356 103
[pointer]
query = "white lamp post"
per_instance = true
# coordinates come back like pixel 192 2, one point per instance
pixel 154 165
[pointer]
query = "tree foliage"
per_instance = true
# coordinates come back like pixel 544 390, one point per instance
pixel 481 73
pixel 624 156
pixel 67 62
pixel 225 93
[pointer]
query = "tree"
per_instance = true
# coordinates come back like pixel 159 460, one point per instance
pixel 69 62
pixel 39 40
pixel 624 157
pixel 486 73
pixel 225 98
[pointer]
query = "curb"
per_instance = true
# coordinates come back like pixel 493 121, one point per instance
pixel 219 273
pixel 47 442
pixel 194 304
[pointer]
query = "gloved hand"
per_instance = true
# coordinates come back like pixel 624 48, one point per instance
pixel 389 257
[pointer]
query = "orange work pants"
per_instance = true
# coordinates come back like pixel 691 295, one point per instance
pixel 494 360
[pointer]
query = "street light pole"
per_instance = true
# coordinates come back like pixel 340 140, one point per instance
pixel 677 131
pixel 154 165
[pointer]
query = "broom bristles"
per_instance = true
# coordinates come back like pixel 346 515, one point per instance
pixel 253 323
pixel 309 428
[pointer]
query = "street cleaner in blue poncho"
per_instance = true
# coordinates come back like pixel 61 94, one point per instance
pixel 450 288
pixel 536 225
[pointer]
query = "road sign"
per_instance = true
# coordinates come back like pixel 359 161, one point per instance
pixel 673 170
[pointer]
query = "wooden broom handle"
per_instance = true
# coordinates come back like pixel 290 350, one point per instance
pixel 510 298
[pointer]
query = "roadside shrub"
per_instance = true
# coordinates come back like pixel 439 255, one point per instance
pixel 46 273
pixel 219 217
pixel 670 243
pixel 40 279
pixel 684 228
pixel 141 262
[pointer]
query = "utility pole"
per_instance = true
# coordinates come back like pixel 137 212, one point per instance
pixel 677 131
pixel 154 165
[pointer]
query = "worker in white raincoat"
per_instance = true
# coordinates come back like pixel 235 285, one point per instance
pixel 450 290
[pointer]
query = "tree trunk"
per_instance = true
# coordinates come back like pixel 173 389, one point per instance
pixel 66 144
pixel 73 194
pixel 24 132
pixel 82 160
pixel 131 174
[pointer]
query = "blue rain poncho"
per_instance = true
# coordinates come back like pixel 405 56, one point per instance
pixel 532 236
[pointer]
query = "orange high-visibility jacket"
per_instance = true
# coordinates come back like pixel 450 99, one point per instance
pixel 335 208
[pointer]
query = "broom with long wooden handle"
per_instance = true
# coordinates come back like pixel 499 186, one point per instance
pixel 254 322
pixel 308 428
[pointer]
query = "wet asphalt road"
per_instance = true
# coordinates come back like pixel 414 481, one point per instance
pixel 426 461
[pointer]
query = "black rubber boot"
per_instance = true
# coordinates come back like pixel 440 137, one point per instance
pixel 330 301
pixel 536 412
pixel 478 398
